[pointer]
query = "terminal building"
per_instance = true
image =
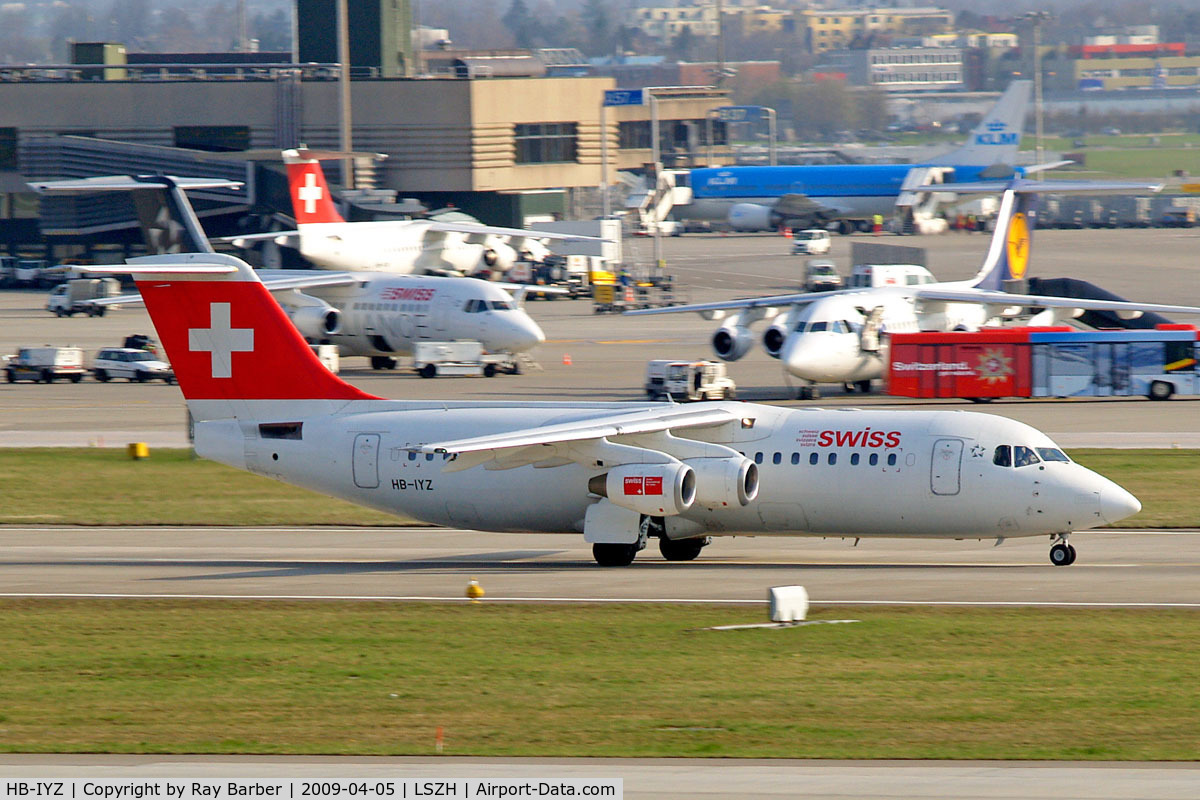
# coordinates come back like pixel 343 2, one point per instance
pixel 508 149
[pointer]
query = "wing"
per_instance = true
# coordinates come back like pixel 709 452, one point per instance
pixel 1047 301
pixel 120 183
pixel 282 238
pixel 801 205
pixel 800 299
pixel 277 280
pixel 488 230
pixel 576 441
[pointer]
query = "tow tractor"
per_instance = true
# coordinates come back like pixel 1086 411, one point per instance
pixel 688 380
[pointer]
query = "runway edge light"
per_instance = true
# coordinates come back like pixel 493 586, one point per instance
pixel 788 603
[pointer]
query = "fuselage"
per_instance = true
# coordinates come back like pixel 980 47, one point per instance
pixel 851 191
pixel 824 342
pixel 822 472
pixel 387 315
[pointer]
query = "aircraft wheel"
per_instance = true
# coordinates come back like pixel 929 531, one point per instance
pixel 428 371
pixel 383 362
pixel 863 386
pixel 1071 550
pixel 1061 555
pixel 608 554
pixel 682 549
pixel 1161 390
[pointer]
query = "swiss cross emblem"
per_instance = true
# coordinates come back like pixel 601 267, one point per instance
pixel 221 340
pixel 310 193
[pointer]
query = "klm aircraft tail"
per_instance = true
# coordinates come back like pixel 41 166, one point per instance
pixel 997 138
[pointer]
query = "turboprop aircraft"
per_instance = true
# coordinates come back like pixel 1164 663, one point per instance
pixel 840 336
pixel 373 314
pixel 618 473
pixel 326 239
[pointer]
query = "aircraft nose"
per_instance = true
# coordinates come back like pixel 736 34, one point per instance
pixel 526 335
pixel 807 356
pixel 1116 504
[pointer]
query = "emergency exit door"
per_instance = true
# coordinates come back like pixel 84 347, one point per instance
pixel 366 460
pixel 947 459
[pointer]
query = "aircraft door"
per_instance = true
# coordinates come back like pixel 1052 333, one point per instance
pixel 944 466
pixel 366 460
pixel 441 311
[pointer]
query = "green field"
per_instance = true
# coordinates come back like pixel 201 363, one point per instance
pixel 173 488
pixel 240 677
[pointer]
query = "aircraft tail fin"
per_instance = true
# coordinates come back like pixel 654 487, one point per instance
pixel 997 138
pixel 311 201
pixel 227 338
pixel 1008 254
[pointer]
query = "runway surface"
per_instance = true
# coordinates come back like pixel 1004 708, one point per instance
pixel 677 779
pixel 609 353
pixel 1152 569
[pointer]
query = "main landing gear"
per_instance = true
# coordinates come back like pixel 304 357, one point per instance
pixel 614 554
pixel 1062 554
pixel 808 392
pixel 383 362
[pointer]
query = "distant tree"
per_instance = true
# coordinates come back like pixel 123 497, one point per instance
pixel 598 23
pixel 520 23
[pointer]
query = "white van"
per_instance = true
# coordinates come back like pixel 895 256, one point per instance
pixel 811 241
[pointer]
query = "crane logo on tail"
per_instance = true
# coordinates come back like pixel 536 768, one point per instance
pixel 1018 246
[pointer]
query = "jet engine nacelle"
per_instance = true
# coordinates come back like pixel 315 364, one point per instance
pixel 317 322
pixel 724 482
pixel 751 217
pixel 774 337
pixel 498 257
pixel 731 342
pixel 658 490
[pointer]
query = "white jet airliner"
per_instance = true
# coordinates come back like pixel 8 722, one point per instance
pixel 835 337
pixel 616 472
pixel 326 239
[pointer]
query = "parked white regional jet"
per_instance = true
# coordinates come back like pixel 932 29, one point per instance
pixel 369 314
pixel 325 238
pixel 615 472
pixel 839 336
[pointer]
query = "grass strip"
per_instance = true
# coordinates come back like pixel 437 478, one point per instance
pixel 105 487
pixel 356 678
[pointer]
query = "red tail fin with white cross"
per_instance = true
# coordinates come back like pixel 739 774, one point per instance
pixel 311 202
pixel 226 337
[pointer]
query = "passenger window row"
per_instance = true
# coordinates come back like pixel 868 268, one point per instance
pixel 831 459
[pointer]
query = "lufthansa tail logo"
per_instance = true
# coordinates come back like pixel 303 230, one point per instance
pixel 1018 246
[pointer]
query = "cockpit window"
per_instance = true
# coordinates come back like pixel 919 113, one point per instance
pixel 837 326
pixel 475 306
pixel 818 326
pixel 1003 456
pixel 1052 454
pixel 1024 456
pixel 499 305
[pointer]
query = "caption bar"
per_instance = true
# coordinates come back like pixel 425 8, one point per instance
pixel 255 789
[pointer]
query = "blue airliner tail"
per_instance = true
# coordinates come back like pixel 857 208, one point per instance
pixel 997 138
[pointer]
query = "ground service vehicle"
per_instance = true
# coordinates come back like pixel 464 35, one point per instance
pixel 812 241
pixel 1046 362
pixel 138 366
pixel 821 275
pixel 616 473
pixel 76 296
pixel 45 364
pixel 688 380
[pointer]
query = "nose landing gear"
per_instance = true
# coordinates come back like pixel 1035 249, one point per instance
pixel 1062 554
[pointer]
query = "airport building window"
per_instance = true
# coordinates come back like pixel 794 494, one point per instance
pixel 213 138
pixel 546 142
pixel 8 149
